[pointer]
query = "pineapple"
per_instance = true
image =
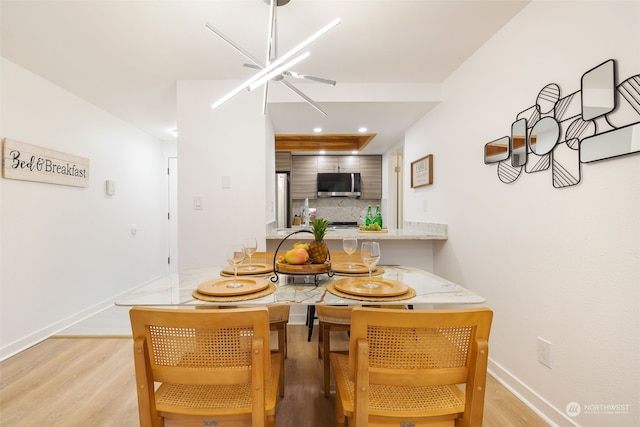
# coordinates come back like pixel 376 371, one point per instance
pixel 318 250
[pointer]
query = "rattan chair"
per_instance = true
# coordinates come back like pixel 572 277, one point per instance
pixel 404 368
pixel 209 366
pixel 330 319
pixel 337 256
pixel 278 320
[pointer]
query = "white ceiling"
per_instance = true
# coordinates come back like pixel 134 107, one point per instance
pixel 389 57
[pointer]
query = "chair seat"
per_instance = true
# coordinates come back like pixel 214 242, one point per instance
pixel 401 401
pixel 214 399
pixel 173 397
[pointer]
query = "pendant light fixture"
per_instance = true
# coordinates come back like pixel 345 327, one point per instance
pixel 275 67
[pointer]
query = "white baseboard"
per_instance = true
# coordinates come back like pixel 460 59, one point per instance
pixel 44 333
pixel 529 397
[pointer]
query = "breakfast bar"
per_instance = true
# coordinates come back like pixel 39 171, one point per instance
pixel 411 245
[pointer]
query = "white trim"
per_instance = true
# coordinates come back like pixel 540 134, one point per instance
pixel 529 397
pixel 24 343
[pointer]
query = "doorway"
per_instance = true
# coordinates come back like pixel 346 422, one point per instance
pixel 394 211
pixel 172 214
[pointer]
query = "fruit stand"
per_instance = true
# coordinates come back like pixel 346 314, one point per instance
pixel 303 269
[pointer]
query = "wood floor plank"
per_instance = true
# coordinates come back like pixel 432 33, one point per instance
pixel 90 381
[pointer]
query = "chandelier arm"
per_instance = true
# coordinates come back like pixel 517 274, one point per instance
pixel 275 36
pixel 312 78
pixel 235 46
pixel 264 98
pixel 309 40
pixel 270 38
pixel 303 96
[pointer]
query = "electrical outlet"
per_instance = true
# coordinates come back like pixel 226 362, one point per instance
pixel 544 352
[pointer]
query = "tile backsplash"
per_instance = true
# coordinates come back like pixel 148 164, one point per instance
pixel 337 208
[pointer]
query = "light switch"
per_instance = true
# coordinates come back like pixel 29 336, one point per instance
pixel 110 187
pixel 197 203
pixel 226 181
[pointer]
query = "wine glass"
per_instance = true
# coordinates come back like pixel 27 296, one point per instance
pixel 370 254
pixel 350 245
pixel 235 256
pixel 250 247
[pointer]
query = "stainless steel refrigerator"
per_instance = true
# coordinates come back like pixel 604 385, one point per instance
pixel 282 200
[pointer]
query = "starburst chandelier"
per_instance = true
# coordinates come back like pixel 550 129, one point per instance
pixel 275 68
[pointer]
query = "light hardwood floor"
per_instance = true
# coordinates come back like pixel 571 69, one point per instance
pixel 71 382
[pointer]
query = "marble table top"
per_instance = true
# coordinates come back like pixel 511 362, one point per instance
pixel 432 291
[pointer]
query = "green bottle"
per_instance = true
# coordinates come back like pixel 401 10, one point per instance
pixel 378 218
pixel 368 220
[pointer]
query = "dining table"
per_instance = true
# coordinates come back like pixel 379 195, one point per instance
pixel 398 285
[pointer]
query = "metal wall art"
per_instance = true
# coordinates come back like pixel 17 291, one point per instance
pixel 598 122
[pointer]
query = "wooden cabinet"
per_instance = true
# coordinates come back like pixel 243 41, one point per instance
pixel 371 177
pixel 304 173
pixel 345 164
pixel 283 161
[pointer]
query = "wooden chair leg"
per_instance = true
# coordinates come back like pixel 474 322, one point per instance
pixel 326 337
pixel 282 348
pixel 320 340
pixel 286 341
pixel 340 418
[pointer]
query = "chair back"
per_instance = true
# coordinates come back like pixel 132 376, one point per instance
pixel 340 315
pixel 421 348
pixel 201 347
pixel 279 313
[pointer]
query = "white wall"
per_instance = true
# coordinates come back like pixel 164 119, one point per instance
pixel 226 142
pixel 67 251
pixel 562 264
pixel 270 174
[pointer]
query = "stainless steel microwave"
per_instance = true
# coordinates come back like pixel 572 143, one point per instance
pixel 339 184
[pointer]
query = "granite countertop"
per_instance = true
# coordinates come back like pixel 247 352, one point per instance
pixel 431 232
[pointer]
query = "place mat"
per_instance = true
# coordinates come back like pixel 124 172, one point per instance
pixel 410 294
pixel 384 230
pixel 222 288
pixel 349 267
pixel 383 288
pixel 263 293
pixel 377 271
pixel 243 270
pixel 248 275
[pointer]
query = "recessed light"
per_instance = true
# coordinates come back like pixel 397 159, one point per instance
pixel 362 130
pixel 317 130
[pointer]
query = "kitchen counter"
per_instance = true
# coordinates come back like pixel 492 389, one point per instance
pixel 411 246
pixel 341 233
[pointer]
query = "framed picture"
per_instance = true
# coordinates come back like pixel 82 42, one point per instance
pixel 422 171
